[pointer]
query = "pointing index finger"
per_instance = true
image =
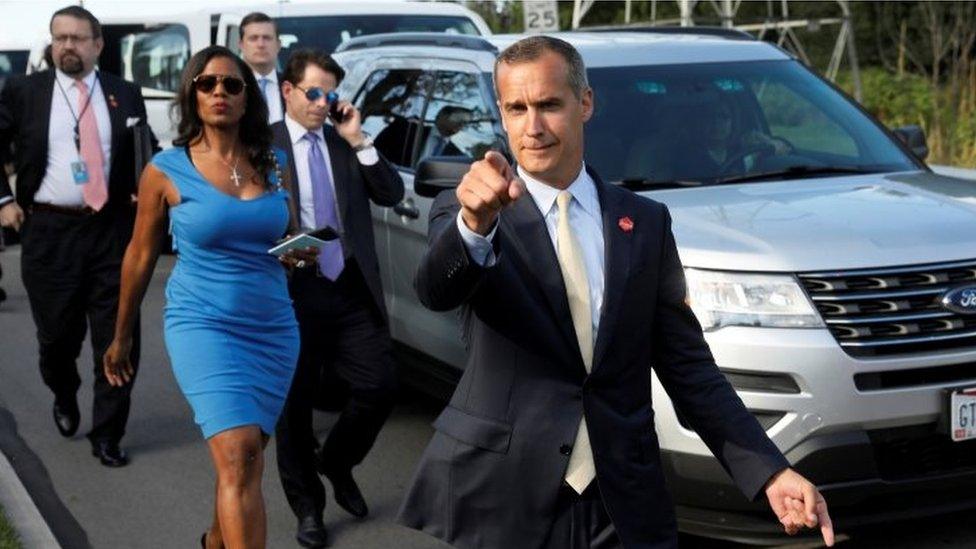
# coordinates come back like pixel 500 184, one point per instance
pixel 826 525
pixel 498 161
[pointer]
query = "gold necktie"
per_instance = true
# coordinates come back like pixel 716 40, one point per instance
pixel 580 471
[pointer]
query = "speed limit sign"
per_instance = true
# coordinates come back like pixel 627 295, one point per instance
pixel 541 16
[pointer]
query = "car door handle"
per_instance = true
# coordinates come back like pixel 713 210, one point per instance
pixel 407 209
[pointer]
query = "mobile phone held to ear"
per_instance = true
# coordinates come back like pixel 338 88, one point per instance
pixel 334 113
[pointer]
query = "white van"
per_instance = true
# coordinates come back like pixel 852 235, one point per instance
pixel 152 50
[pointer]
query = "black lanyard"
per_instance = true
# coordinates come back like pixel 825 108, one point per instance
pixel 77 129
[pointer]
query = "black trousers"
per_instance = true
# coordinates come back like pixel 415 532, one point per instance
pixel 71 266
pixel 341 331
pixel 582 521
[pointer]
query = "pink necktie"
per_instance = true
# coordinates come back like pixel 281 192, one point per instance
pixel 95 191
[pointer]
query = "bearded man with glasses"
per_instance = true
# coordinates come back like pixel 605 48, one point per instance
pixel 72 128
pixel 336 173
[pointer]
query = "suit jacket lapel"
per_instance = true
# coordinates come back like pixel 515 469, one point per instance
pixel 616 264
pixel 282 140
pixel 340 172
pixel 44 97
pixel 526 230
pixel 114 113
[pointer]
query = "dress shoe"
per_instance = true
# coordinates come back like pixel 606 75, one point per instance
pixel 311 532
pixel 66 416
pixel 347 493
pixel 109 453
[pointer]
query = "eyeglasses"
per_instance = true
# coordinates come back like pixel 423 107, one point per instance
pixel 62 39
pixel 207 82
pixel 315 93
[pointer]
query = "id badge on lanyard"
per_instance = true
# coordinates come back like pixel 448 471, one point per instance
pixel 79 169
pixel 79 172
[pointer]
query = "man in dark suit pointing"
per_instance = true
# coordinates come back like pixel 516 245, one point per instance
pixel 72 129
pixel 570 289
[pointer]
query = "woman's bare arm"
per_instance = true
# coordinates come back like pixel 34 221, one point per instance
pixel 156 195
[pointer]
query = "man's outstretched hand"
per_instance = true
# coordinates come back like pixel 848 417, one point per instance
pixel 488 187
pixel 798 504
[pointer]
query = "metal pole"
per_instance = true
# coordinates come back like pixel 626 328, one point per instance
pixel 686 18
pixel 627 12
pixel 851 49
pixel 580 7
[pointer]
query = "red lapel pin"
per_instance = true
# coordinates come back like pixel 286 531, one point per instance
pixel 112 101
pixel 626 224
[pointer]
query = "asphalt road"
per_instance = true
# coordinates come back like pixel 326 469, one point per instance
pixel 164 498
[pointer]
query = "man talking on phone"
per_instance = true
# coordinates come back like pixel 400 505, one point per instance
pixel 335 172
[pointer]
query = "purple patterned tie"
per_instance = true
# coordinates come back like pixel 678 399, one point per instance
pixel 331 260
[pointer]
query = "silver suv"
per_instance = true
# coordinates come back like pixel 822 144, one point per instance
pixel 833 272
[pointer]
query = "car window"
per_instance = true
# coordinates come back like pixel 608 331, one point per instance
pixel 791 116
pixel 458 120
pixel 713 122
pixel 155 58
pixel 12 62
pixel 233 38
pixel 327 32
pixel 391 103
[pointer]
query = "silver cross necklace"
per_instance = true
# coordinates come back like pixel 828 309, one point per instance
pixel 235 175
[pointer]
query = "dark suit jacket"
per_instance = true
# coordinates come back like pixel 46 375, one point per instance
pixel 25 114
pixel 491 474
pixel 355 186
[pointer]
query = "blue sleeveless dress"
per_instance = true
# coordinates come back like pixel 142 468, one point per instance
pixel 229 327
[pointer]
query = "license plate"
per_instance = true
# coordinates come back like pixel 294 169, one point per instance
pixel 962 414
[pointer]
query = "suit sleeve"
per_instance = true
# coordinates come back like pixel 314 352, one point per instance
pixel 383 182
pixel 447 276
pixel 685 366
pixel 8 129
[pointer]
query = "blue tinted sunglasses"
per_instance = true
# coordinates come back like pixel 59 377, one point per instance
pixel 315 93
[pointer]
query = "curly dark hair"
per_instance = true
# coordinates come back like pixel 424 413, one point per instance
pixel 253 131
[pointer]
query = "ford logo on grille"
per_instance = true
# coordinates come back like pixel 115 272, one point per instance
pixel 961 300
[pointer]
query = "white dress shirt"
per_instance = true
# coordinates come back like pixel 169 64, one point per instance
pixel 299 146
pixel 585 218
pixel 273 91
pixel 58 186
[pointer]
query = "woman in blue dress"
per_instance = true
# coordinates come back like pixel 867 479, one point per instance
pixel 230 328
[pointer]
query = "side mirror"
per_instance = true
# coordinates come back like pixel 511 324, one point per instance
pixel 914 138
pixel 438 173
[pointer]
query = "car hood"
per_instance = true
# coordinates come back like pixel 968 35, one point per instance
pixel 827 223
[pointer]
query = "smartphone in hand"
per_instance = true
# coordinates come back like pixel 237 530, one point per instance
pixel 334 113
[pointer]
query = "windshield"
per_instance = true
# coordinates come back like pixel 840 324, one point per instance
pixel 327 32
pixel 713 122
pixel 12 62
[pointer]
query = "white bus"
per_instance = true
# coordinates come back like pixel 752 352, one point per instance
pixel 152 50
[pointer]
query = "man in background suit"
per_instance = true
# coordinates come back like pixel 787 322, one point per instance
pixel 259 47
pixel 335 172
pixel 571 289
pixel 72 131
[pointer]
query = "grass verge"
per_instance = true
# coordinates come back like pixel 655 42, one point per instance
pixel 8 536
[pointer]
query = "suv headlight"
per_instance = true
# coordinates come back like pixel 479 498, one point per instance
pixel 722 299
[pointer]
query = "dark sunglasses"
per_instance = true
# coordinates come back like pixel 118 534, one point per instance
pixel 207 82
pixel 315 93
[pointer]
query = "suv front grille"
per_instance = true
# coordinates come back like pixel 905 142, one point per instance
pixel 895 310
pixel 919 451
